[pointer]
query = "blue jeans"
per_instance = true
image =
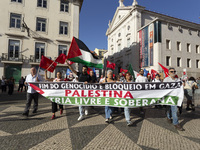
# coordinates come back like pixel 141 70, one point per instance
pixel 127 113
pixel 172 113
pixel 108 111
pixel 81 110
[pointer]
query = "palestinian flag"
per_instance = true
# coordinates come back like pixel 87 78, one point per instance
pixel 79 53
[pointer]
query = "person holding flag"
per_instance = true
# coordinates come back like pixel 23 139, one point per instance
pixel 82 77
pixel 54 105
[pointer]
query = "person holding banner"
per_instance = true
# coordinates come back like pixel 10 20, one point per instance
pixel 31 93
pixel 82 77
pixel 54 105
pixel 172 110
pixel 141 78
pixel 108 110
pixel 128 78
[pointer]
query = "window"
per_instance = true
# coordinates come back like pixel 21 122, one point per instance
pixel 42 3
pixel 62 49
pixel 197 64
pixel 188 47
pixel 64 5
pixel 168 61
pixel 19 1
pixel 15 20
pixel 13 49
pixel 178 62
pixel 179 46
pixel 189 63
pixel 41 24
pixel 128 42
pixel 197 49
pixel 63 28
pixel 39 51
pixel 168 44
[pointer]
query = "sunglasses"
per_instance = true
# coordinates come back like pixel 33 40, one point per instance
pixel 173 71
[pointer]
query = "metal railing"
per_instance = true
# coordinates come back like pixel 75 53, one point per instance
pixel 18 58
pixel 33 59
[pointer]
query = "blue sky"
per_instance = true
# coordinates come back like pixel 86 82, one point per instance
pixel 95 15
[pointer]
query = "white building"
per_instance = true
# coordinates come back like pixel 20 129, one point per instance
pixel 154 38
pixel 32 28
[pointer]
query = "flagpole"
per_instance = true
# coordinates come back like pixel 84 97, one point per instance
pixel 38 71
pixel 50 65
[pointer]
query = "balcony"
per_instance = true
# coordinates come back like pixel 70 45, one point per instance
pixel 12 58
pixel 36 61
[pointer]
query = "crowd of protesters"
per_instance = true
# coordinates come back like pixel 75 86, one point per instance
pixel 190 84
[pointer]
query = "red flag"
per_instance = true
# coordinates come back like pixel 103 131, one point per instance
pixel 47 64
pixel 166 71
pixel 123 71
pixel 70 62
pixel 110 65
pixel 153 74
pixel 61 58
pixel 88 71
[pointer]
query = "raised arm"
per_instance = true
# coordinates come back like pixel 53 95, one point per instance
pixel 46 78
pixel 71 68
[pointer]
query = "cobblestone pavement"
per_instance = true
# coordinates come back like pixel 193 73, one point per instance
pixel 38 131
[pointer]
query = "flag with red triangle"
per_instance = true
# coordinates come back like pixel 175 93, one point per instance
pixel 79 53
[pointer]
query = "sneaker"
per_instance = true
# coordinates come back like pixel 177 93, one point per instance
pixel 110 117
pixel 86 112
pixel 107 120
pixel 53 117
pixel 80 118
pixel 25 114
pixel 169 120
pixel 129 123
pixel 61 111
pixel 178 127
pixel 34 111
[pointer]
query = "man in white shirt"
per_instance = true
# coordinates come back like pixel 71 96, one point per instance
pixel 31 93
pixel 172 111
pixel 141 78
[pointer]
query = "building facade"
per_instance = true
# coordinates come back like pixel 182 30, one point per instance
pixel 154 38
pixel 32 28
pixel 100 53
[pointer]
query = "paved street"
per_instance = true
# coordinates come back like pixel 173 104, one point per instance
pixel 38 131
